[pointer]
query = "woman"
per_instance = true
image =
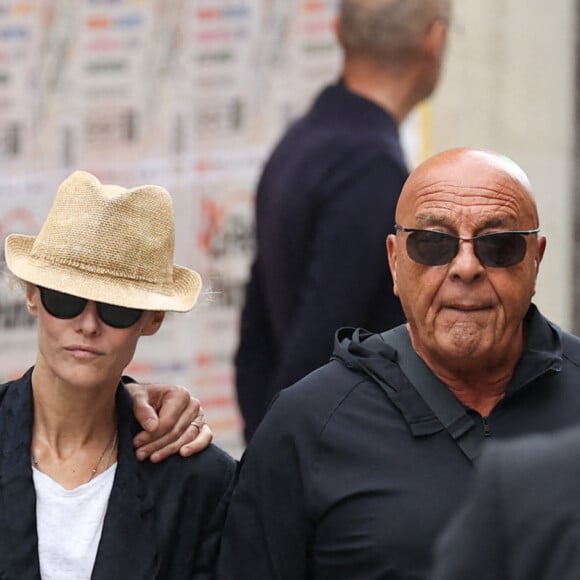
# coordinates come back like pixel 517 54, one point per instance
pixel 75 502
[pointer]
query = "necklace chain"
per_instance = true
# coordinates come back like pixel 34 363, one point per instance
pixel 109 447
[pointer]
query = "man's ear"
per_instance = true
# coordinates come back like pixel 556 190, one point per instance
pixel 435 39
pixel 541 249
pixel 337 27
pixel 392 257
pixel 153 322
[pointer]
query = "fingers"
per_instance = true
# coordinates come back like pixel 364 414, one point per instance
pixel 193 440
pixel 202 440
pixel 158 408
pixel 144 412
pixel 177 408
pixel 187 435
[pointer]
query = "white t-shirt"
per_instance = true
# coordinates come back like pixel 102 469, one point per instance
pixel 69 524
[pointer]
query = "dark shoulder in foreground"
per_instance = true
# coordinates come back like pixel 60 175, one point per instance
pixel 545 454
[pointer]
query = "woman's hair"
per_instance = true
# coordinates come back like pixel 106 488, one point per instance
pixel 11 282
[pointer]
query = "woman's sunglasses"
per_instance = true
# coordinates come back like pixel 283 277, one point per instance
pixel 497 250
pixel 61 305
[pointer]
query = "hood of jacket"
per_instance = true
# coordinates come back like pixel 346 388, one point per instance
pixel 369 355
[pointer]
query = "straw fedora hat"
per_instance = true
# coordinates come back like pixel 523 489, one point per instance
pixel 108 244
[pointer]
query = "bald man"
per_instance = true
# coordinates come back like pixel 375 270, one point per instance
pixel 357 467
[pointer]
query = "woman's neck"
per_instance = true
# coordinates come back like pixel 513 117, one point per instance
pixel 74 430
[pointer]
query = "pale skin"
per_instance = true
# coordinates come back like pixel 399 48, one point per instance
pixel 78 366
pixel 465 319
pixel 166 413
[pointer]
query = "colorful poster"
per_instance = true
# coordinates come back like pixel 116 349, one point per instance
pixel 188 95
pixel 24 29
pixel 24 201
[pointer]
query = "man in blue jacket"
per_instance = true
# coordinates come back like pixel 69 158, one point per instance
pixel 326 200
pixel 357 467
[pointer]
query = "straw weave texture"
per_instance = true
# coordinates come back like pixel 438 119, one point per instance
pixel 107 243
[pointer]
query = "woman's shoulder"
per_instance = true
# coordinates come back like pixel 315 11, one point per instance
pixel 18 387
pixel 211 467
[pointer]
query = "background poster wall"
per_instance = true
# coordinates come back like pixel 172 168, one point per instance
pixel 187 94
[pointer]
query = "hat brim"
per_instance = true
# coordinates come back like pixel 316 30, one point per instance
pixel 180 295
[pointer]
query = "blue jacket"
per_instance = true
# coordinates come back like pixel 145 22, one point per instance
pixel 324 206
pixel 163 520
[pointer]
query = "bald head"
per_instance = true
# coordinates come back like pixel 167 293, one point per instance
pixel 470 175
pixel 388 31
pixel 464 260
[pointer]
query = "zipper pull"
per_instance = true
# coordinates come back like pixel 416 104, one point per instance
pixel 486 428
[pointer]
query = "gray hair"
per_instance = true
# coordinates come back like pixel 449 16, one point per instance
pixel 388 31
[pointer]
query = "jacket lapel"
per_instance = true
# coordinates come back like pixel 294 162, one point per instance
pixel 128 547
pixel 18 538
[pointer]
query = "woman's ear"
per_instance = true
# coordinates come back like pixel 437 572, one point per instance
pixel 153 323
pixel 32 298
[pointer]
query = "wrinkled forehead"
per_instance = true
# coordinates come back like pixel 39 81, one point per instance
pixel 472 183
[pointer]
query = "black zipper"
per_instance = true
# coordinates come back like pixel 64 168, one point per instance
pixel 486 427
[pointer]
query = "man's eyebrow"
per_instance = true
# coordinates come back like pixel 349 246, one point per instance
pixel 443 221
pixel 433 220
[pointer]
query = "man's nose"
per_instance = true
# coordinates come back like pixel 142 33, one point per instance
pixel 466 264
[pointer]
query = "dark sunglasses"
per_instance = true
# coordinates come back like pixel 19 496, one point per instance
pixel 496 250
pixel 61 305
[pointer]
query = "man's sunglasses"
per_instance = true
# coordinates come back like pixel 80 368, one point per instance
pixel 61 305
pixel 496 250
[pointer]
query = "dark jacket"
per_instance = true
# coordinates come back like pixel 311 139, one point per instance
pixel 348 479
pixel 324 206
pixel 523 520
pixel 163 520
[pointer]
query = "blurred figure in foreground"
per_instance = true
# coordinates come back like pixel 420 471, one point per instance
pixel 522 519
